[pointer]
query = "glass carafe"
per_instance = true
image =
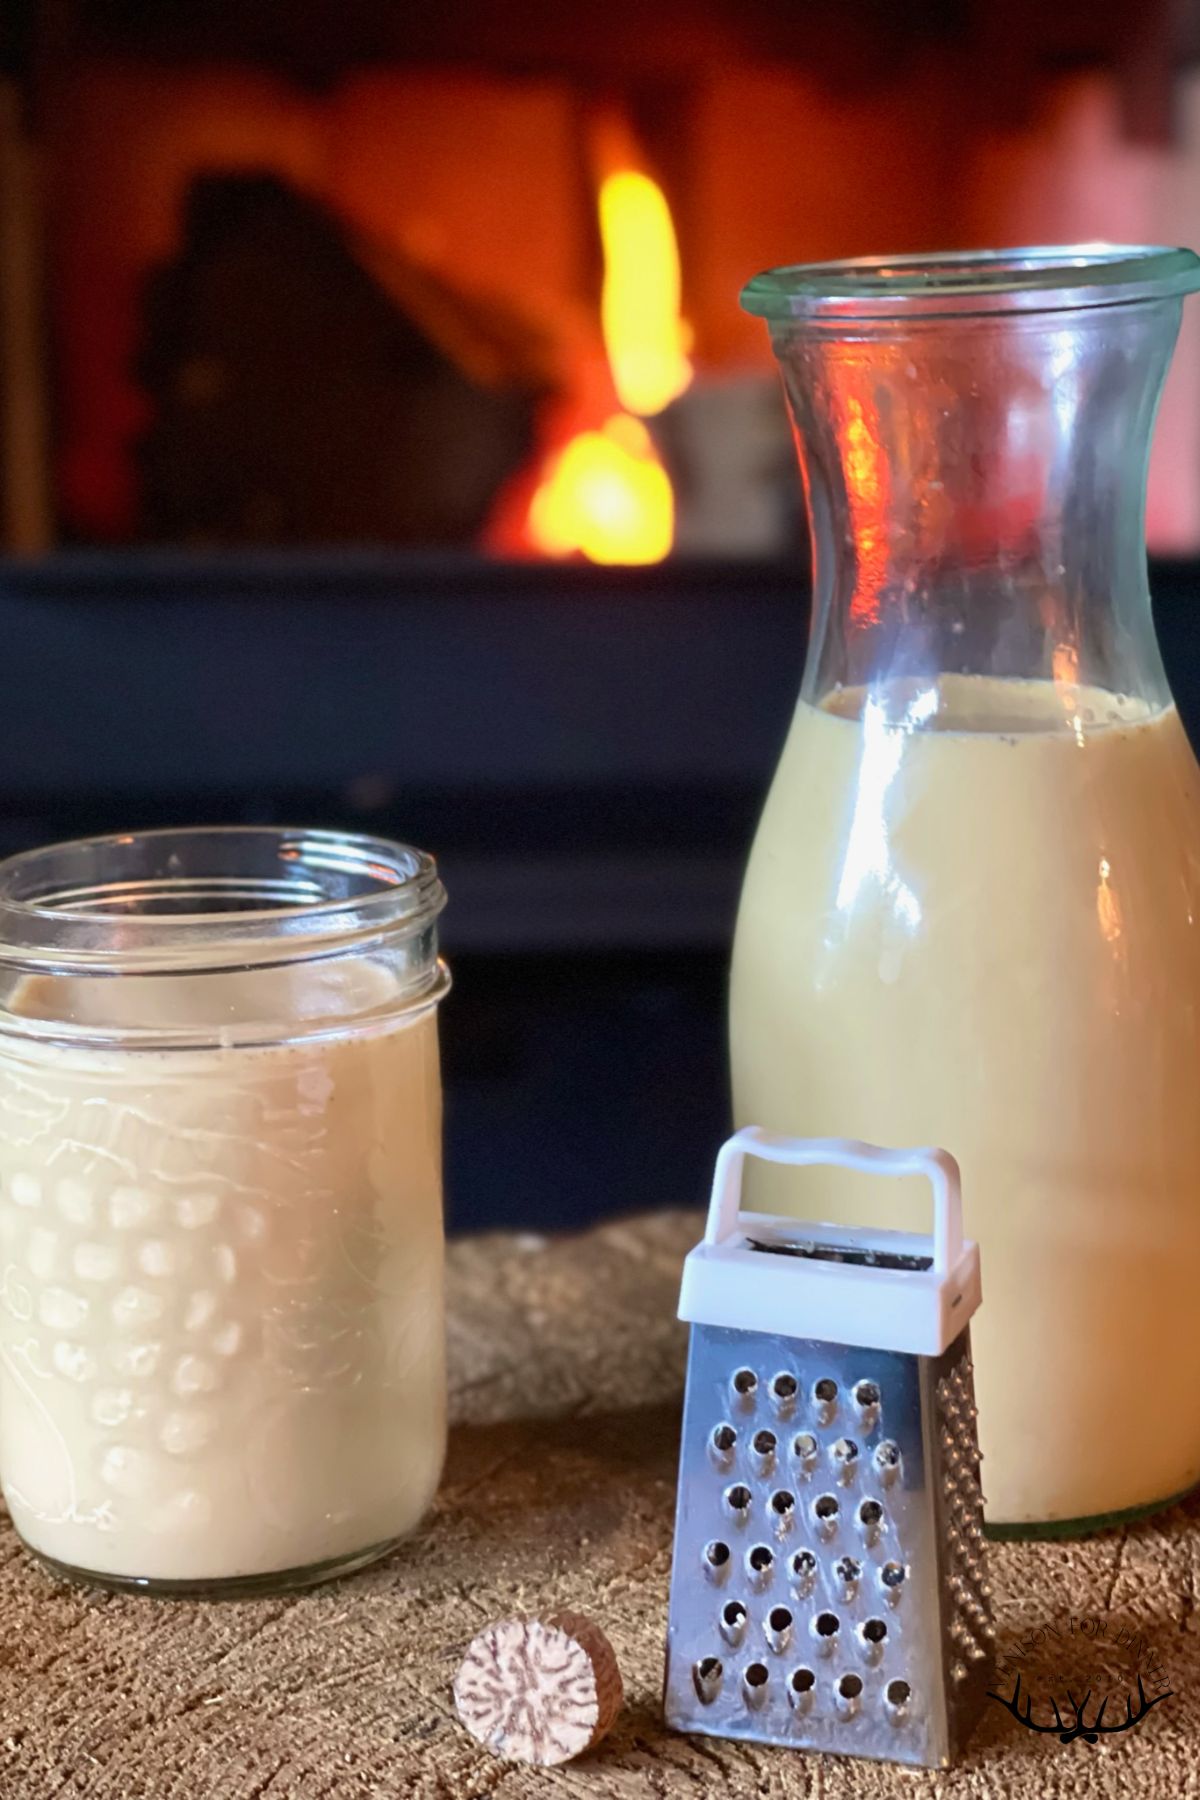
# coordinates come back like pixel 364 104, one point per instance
pixel 972 911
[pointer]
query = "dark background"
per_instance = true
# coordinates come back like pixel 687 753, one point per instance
pixel 281 278
pixel 591 808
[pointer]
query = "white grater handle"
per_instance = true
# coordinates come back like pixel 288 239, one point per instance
pixel 938 1166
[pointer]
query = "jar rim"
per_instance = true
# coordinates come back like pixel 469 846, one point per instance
pixel 208 896
pixel 1046 277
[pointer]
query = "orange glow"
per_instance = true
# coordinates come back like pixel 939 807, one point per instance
pixel 607 495
pixel 644 334
pixel 1108 904
pixel 1065 665
pixel 869 497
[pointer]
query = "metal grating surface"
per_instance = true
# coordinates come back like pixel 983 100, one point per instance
pixel 757 1584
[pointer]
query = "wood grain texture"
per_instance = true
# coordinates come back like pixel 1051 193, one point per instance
pixel 567 1369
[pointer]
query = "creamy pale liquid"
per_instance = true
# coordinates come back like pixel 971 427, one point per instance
pixel 986 934
pixel 221 1337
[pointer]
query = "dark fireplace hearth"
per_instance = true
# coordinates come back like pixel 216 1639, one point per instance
pixel 585 750
pixel 309 387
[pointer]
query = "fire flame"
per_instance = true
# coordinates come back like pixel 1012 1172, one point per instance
pixel 606 494
pixel 644 334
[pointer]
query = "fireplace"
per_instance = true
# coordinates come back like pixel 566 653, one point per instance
pixel 330 274
pixel 303 364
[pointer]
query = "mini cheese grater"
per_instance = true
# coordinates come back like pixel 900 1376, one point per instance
pixel 828 1588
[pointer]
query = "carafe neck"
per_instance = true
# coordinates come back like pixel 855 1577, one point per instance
pixel 976 494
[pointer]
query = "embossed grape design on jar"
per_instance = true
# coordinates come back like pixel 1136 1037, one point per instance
pixel 221 1327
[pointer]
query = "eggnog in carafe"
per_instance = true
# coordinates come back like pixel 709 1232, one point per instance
pixel 971 914
pixel 972 917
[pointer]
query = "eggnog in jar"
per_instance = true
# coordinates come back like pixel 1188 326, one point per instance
pixel 972 918
pixel 221 1333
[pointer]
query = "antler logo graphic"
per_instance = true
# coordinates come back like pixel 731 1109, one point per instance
pixel 1077 1729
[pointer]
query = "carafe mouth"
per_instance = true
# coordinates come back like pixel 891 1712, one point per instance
pixel 1037 278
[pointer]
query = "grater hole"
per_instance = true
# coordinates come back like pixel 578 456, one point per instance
pixel 733 1622
pixel 744 1382
pixel 779 1618
pixel 783 1503
pixel 757 1675
pixel 850 1687
pixel 804 1565
pixel 845 1450
pixel 848 1569
pixel 825 1390
pixel 898 1693
pixel 724 1438
pixel 737 1498
pixel 783 1386
pixel 892 1574
pixel 716 1554
pixel 760 1558
pixel 866 1393
pixel 801 1683
pixel 707 1675
pixel 827 1507
pixel 765 1442
pixel 870 1512
pixel 827 1624
pixel 874 1631
pixel 804 1446
pixel 887 1454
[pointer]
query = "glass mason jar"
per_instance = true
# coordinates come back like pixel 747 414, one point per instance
pixel 972 911
pixel 221 1331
